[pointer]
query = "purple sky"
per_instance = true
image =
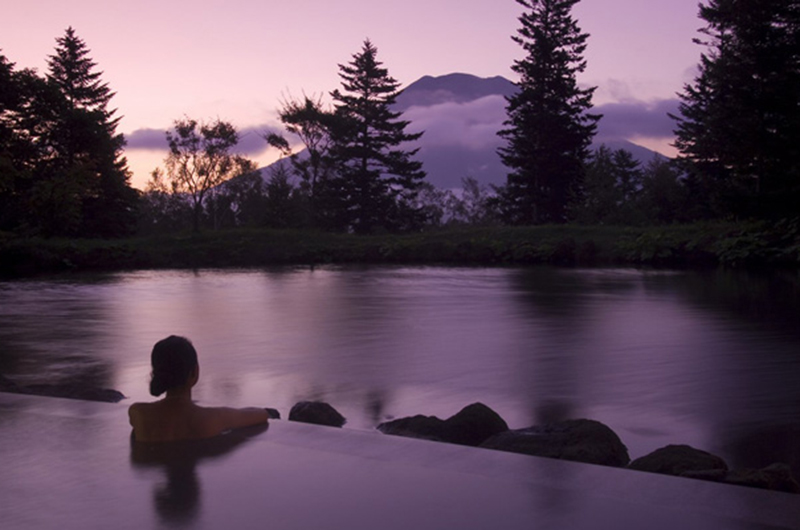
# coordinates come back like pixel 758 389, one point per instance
pixel 236 59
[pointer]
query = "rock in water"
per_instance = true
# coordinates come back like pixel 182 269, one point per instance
pixel 64 390
pixel 581 440
pixel 419 426
pixel 316 412
pixel 473 425
pixel 470 426
pixel 677 460
pixel 775 477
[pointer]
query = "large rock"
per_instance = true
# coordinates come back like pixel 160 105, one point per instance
pixel 470 426
pixel 776 477
pixel 578 440
pixel 419 426
pixel 64 390
pixel 677 460
pixel 316 412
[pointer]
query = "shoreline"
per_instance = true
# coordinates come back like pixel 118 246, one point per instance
pixel 697 246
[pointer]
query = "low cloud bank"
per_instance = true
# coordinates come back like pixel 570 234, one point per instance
pixel 472 125
pixel 251 141
pixel 475 124
pixel 637 119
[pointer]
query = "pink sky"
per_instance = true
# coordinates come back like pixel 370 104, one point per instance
pixel 235 59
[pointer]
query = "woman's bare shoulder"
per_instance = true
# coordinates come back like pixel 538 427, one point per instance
pixel 226 418
pixel 136 409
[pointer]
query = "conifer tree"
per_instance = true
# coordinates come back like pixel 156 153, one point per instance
pixel 8 172
pixel 87 149
pixel 377 180
pixel 739 126
pixel 548 128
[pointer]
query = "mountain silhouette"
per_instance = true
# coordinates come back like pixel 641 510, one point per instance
pixel 452 88
pixel 460 115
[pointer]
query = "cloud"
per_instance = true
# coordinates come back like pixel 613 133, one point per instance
pixel 147 139
pixel 251 141
pixel 473 124
pixel 637 119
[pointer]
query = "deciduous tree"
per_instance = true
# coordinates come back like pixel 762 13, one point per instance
pixel 200 158
pixel 308 121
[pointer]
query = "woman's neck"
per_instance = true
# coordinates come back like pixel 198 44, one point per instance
pixel 179 394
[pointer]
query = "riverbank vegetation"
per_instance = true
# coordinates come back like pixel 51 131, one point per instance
pixel 755 244
pixel 348 188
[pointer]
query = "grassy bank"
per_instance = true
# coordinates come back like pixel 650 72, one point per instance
pixel 697 245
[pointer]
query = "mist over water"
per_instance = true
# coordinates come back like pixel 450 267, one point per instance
pixel 707 359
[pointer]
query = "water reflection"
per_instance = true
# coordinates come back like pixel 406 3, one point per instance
pixel 178 501
pixel 662 357
pixel 52 333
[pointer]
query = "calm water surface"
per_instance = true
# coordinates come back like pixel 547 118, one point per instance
pixel 707 359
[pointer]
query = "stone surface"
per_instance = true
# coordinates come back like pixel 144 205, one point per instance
pixel 316 412
pixel 580 440
pixel 470 426
pixel 273 414
pixel 775 477
pixel 677 460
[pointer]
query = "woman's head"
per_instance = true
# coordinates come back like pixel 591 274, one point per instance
pixel 174 361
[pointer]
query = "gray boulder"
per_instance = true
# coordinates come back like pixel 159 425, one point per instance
pixel 470 426
pixel 316 412
pixel 677 460
pixel 581 440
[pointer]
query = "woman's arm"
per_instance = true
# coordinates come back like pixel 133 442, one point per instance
pixel 222 419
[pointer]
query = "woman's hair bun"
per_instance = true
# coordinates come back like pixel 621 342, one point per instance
pixel 173 360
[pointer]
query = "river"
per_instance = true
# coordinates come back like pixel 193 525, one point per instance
pixel 710 359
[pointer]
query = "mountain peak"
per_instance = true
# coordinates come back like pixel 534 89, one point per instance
pixel 452 88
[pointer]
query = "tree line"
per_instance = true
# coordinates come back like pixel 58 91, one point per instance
pixel 350 165
pixel 62 172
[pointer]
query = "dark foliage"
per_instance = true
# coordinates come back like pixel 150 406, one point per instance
pixel 376 180
pixel 739 125
pixel 61 166
pixel 549 129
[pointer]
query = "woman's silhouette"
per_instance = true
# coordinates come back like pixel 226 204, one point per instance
pixel 176 417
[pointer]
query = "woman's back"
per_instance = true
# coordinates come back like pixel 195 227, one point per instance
pixel 172 420
pixel 176 417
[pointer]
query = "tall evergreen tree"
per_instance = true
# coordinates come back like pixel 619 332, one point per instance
pixel 739 126
pixel 611 189
pixel 8 172
pixel 377 179
pixel 88 150
pixel 548 129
